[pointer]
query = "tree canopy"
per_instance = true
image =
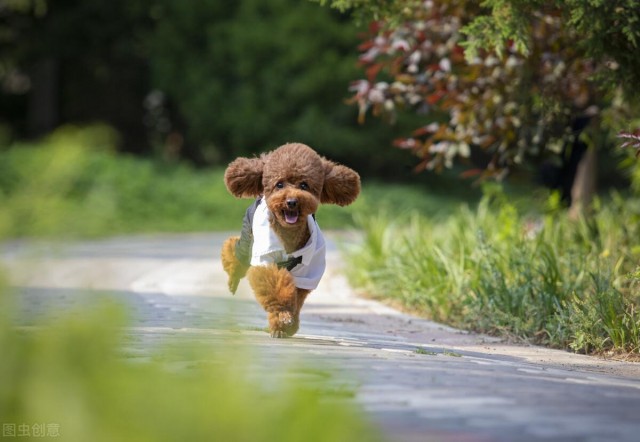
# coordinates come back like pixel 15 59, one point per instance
pixel 606 31
pixel 511 79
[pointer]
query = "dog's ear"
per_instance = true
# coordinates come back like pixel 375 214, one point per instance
pixel 341 184
pixel 243 177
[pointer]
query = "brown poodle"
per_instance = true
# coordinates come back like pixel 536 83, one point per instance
pixel 281 249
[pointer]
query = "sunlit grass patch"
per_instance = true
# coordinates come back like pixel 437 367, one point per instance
pixel 452 354
pixel 422 351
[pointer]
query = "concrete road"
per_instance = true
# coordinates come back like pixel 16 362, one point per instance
pixel 418 380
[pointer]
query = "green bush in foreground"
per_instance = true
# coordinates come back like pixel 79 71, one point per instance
pixel 549 280
pixel 70 379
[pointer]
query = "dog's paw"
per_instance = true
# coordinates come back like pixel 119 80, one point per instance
pixel 281 323
pixel 285 319
pixel 292 328
pixel 279 334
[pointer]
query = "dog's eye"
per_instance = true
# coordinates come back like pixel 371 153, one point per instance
pixel 280 185
pixel 304 186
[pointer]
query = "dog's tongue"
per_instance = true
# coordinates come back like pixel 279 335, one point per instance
pixel 290 217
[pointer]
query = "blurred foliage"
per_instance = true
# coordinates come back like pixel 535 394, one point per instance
pixel 71 378
pixel 631 140
pixel 252 75
pixel 207 80
pixel 78 61
pixel 72 183
pixel 497 89
pixel 363 11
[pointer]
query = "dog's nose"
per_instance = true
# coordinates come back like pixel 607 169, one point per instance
pixel 292 203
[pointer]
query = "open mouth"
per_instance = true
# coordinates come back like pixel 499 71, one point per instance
pixel 291 216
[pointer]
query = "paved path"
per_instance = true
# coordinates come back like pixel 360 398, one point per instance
pixel 419 381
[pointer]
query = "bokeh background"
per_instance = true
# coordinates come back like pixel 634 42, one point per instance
pixel 202 81
pixel 497 193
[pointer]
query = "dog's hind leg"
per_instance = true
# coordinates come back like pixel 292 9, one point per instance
pixel 276 292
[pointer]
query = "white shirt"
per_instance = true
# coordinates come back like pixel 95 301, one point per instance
pixel 267 249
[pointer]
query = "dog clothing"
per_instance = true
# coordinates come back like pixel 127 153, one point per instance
pixel 259 245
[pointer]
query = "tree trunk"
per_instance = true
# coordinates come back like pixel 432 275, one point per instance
pixel 584 184
pixel 43 113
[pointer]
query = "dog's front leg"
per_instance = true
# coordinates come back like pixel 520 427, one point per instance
pixel 276 292
pixel 292 328
pixel 230 263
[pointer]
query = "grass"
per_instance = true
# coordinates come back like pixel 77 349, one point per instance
pixel 496 269
pixel 422 351
pixel 73 184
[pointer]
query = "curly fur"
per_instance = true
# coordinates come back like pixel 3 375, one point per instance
pixel 292 179
pixel 234 268
pixel 243 177
pixel 341 186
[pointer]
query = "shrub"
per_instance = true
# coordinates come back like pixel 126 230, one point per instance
pixel 73 183
pixel 492 269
